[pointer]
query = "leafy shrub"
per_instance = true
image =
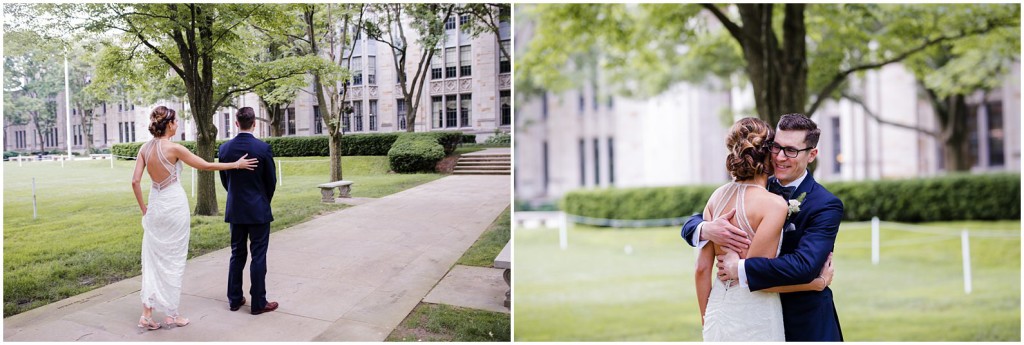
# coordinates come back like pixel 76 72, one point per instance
pixel 9 154
pixel 500 138
pixel 449 140
pixel 373 144
pixel 468 138
pixel 952 197
pixel 414 152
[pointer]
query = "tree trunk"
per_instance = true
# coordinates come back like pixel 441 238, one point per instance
pixel 778 75
pixel 87 121
pixel 206 137
pixel 274 113
pixel 953 118
pixel 334 141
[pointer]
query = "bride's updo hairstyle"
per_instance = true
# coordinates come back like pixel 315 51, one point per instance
pixel 159 119
pixel 749 153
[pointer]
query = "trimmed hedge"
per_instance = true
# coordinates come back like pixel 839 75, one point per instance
pixel 374 144
pixel 415 152
pixel 951 197
pixel 469 138
pixel 500 138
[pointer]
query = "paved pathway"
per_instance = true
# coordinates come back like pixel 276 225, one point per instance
pixel 352 275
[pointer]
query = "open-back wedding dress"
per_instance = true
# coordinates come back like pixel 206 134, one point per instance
pixel 166 227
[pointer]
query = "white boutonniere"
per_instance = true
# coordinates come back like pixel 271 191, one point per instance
pixel 794 204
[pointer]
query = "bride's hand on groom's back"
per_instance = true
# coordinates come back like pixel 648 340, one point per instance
pixel 723 233
pixel 827 271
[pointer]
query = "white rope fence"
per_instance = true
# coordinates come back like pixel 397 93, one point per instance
pixel 935 234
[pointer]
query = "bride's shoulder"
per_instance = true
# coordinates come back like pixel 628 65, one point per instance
pixel 769 199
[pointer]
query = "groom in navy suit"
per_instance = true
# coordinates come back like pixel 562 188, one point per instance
pixel 808 239
pixel 248 212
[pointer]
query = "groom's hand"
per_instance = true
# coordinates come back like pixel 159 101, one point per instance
pixel 727 266
pixel 723 233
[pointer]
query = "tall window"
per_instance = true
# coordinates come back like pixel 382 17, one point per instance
pixel 450 112
pixel 133 131
pixel 373 115
pixel 290 116
pixel 465 61
pixel 544 105
pixel 358 115
pixel 438 111
pixel 400 105
pixel 506 108
pixel 544 157
pixel 318 121
pixel 226 127
pixel 436 64
pixel 449 24
pixel 463 19
pixel 105 140
pixel 583 163
pixel 346 121
pixel 597 163
pixel 371 70
pixel 120 132
pixel 465 110
pixel 504 65
pixel 583 102
pixel 450 63
pixel 995 133
pixel 837 157
pixel 611 160
pixel 357 71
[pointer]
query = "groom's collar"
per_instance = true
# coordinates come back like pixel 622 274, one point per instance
pixel 798 181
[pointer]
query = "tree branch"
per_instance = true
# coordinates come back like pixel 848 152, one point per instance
pixel 879 119
pixel 157 51
pixel 735 30
pixel 841 76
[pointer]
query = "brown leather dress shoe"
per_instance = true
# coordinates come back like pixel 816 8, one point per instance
pixel 271 306
pixel 235 307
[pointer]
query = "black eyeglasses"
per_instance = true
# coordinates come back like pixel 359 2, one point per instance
pixel 790 152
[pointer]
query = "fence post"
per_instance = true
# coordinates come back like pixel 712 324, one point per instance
pixel 874 240
pixel 966 248
pixel 280 173
pixel 20 160
pixel 111 160
pixel 563 238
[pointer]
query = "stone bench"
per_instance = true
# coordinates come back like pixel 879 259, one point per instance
pixel 504 260
pixel 327 190
pixel 99 156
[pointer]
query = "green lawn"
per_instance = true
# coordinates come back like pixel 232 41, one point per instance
pixel 89 232
pixel 595 291
pixel 490 243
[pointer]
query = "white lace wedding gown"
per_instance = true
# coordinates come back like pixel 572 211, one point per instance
pixel 166 227
pixel 735 313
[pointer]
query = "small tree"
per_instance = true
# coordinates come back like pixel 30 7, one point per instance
pixel 390 26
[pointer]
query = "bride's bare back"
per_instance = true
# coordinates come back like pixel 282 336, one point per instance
pixel 759 213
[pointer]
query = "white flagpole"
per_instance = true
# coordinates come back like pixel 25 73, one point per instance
pixel 67 104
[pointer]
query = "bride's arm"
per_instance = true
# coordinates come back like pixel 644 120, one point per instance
pixel 702 277
pixel 140 165
pixel 818 284
pixel 196 162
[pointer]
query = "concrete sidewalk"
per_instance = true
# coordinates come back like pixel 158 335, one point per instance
pixel 352 275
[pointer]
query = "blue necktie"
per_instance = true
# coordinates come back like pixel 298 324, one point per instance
pixel 777 188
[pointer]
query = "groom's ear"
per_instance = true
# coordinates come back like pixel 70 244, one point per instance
pixel 812 154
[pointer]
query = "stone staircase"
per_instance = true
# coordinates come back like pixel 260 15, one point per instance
pixel 484 164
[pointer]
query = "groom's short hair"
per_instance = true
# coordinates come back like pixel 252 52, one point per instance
pixel 246 117
pixel 800 122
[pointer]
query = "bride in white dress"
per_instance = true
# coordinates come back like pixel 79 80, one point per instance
pixel 166 220
pixel 731 312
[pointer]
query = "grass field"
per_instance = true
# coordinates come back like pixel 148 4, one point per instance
pixel 595 291
pixel 88 233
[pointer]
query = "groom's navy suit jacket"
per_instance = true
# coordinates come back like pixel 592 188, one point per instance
pixel 249 191
pixel 808 315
